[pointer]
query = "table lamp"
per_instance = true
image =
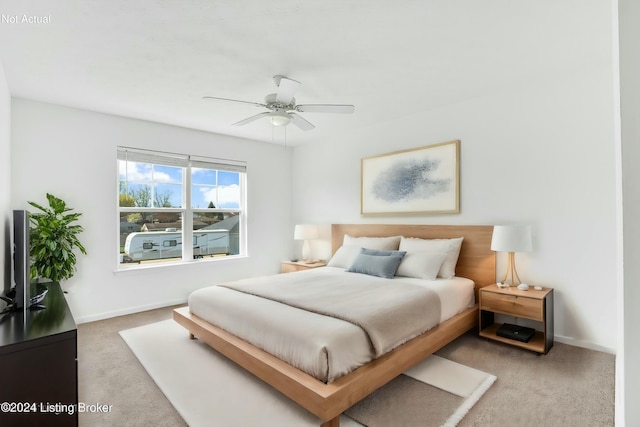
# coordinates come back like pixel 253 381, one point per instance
pixel 306 233
pixel 511 239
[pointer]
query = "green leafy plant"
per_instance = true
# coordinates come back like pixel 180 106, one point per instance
pixel 53 240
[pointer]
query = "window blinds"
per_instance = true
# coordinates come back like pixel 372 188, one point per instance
pixel 179 160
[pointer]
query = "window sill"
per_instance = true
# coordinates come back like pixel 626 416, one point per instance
pixel 151 266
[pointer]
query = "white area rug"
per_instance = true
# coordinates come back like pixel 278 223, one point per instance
pixel 209 390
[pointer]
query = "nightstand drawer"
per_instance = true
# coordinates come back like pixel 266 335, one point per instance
pixel 513 305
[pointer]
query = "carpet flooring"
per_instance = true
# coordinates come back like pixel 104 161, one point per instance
pixel 209 390
pixel 570 386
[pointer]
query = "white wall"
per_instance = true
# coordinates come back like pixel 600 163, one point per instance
pixel 629 15
pixel 5 183
pixel 72 154
pixel 542 154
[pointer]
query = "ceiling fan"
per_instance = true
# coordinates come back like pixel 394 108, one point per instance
pixel 282 106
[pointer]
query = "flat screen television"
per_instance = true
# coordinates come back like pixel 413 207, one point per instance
pixel 21 261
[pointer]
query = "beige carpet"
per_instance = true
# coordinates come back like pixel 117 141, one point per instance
pixel 435 392
pixel 208 390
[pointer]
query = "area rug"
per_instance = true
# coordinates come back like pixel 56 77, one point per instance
pixel 209 390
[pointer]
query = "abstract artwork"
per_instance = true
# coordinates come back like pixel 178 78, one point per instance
pixel 416 181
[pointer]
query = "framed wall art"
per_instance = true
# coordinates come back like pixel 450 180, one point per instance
pixel 424 180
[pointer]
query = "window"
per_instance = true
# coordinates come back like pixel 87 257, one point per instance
pixel 166 199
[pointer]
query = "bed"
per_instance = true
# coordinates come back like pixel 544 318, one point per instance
pixel 328 391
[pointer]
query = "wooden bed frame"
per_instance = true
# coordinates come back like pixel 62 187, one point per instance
pixel 328 401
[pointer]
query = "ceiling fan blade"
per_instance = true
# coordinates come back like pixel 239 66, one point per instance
pixel 300 122
pixel 286 89
pixel 214 98
pixel 251 119
pixel 326 108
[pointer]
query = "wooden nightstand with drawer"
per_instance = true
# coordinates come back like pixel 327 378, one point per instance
pixel 291 266
pixel 533 305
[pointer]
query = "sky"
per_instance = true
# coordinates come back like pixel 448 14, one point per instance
pixel 220 187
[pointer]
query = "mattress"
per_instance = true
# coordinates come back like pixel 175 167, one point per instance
pixel 323 346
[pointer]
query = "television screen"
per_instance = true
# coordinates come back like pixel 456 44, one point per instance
pixel 21 264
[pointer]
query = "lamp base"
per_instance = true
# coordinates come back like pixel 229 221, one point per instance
pixel 511 271
pixel 306 251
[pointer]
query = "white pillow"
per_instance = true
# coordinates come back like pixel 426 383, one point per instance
pixel 382 243
pixel 449 246
pixel 344 256
pixel 421 265
pixel 347 253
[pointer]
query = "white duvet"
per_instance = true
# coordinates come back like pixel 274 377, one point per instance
pixel 324 347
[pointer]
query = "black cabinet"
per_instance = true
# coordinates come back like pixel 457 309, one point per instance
pixel 38 364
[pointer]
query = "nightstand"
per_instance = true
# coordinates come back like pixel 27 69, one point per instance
pixel 533 305
pixel 291 266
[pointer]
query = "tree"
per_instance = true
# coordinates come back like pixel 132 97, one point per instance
pixel 142 196
pixel 162 200
pixel 127 200
pixel 219 216
pixel 135 217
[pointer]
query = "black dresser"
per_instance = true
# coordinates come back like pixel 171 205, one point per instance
pixel 38 365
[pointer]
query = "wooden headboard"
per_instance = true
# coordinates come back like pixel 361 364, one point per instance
pixel 477 261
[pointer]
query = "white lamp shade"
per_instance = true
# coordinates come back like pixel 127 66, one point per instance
pixel 305 232
pixel 511 238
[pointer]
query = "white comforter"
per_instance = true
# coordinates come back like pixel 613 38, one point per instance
pixel 323 346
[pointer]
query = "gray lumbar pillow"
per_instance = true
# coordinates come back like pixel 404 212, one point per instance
pixel 381 263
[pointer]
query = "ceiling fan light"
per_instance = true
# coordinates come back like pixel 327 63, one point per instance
pixel 280 119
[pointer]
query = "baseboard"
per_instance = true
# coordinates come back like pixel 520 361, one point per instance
pixel 584 344
pixel 128 310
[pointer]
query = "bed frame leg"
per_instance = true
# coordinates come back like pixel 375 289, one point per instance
pixel 191 336
pixel 334 422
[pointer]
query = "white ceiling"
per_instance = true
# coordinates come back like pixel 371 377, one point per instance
pixel 155 59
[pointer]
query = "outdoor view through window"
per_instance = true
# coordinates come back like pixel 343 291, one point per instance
pixel 166 199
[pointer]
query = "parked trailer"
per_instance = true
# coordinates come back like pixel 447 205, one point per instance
pixel 152 245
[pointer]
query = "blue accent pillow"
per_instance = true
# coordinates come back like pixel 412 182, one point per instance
pixel 377 262
pixel 381 252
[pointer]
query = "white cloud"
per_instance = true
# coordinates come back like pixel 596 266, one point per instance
pixel 140 172
pixel 225 195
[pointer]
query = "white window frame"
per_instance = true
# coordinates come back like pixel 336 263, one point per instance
pixel 186 162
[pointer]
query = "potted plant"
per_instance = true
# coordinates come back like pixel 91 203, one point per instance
pixel 53 239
